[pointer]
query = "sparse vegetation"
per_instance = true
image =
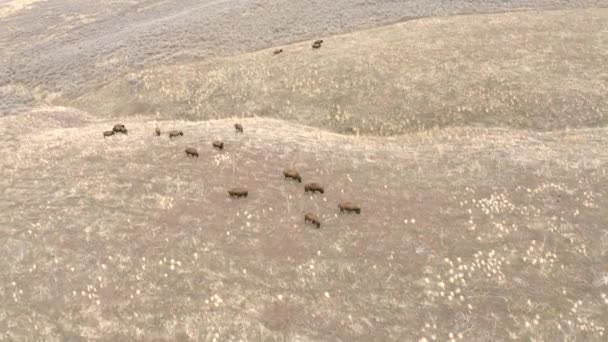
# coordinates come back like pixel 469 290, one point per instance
pixel 536 70
pixel 84 44
pixel 486 221
pixel 475 233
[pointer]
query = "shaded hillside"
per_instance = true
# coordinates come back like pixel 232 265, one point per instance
pixel 469 233
pixel 537 70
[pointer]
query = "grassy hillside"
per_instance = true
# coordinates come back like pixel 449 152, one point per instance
pixel 476 148
pixel 479 234
pixel 64 47
pixel 537 70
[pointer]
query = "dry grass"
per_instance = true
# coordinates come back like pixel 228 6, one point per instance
pixel 536 70
pixel 68 46
pixel 466 232
pixel 471 233
pixel 11 7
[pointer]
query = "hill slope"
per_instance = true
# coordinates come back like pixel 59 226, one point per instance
pixel 536 70
pixel 65 47
pixel 485 234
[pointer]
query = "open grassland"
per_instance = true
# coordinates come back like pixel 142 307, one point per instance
pixel 533 70
pixel 66 47
pixel 474 234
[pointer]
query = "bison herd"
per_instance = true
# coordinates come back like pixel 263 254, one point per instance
pixel 116 130
pixel 315 46
pixel 239 192
pixel 290 174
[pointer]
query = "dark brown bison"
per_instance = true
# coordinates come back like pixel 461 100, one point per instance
pixel 191 152
pixel 218 144
pixel 316 46
pixel 238 192
pixel 319 42
pixel 157 131
pixel 108 133
pixel 293 174
pixel 278 51
pixel 175 133
pixel 238 127
pixel 349 207
pixel 313 219
pixel 313 187
pixel 120 129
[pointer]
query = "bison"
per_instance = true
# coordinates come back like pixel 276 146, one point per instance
pixel 108 133
pixel 319 42
pixel 238 127
pixel 316 46
pixel 349 207
pixel 278 51
pixel 191 152
pixel 293 174
pixel 238 192
pixel 313 219
pixel 157 131
pixel 175 133
pixel 120 129
pixel 313 187
pixel 218 144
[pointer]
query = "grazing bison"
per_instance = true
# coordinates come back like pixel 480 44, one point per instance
pixel 191 152
pixel 108 133
pixel 349 207
pixel 319 42
pixel 120 129
pixel 278 51
pixel 293 174
pixel 313 187
pixel 238 192
pixel 313 219
pixel 175 133
pixel 316 46
pixel 157 131
pixel 218 144
pixel 238 127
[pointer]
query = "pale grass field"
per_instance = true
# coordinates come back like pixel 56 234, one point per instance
pixel 471 234
pixel 476 148
pixel 66 47
pixel 11 7
pixel 526 70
